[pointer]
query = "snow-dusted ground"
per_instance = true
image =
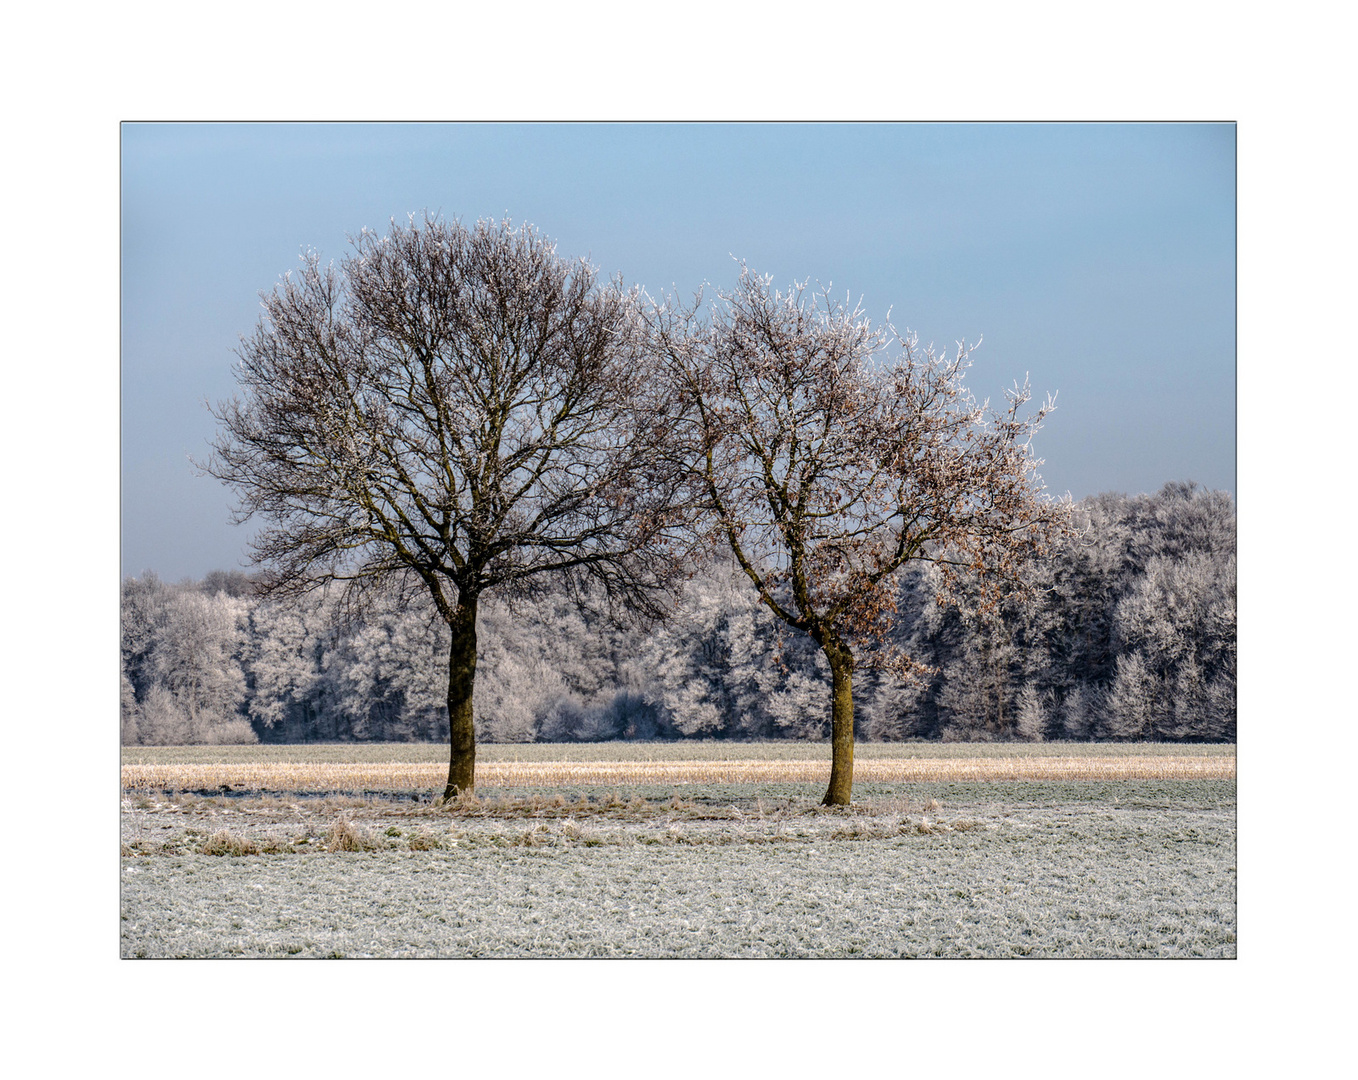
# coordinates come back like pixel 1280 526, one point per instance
pixel 1096 869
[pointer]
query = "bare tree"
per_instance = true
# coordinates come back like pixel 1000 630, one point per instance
pixel 451 411
pixel 828 463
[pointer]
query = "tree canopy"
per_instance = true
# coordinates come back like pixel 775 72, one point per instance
pixel 830 454
pixel 452 410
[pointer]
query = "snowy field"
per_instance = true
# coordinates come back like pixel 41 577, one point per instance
pixel 1118 868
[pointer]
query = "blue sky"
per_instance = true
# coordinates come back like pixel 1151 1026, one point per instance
pixel 1097 259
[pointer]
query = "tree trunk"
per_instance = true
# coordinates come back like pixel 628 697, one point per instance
pixel 841 718
pixel 461 681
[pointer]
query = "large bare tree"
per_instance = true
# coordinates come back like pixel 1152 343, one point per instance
pixel 831 454
pixel 453 410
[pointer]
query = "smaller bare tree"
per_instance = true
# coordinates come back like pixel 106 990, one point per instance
pixel 453 411
pixel 828 461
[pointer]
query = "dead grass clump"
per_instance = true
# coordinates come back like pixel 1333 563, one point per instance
pixel 857 830
pixel 464 802
pixel 534 805
pixel 225 843
pixel 575 833
pixel 422 841
pixel 345 836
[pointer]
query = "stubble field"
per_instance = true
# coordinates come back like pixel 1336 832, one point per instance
pixel 712 850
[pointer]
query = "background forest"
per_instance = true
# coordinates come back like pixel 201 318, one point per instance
pixel 1131 634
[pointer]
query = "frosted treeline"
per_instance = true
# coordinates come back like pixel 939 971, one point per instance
pixel 1131 635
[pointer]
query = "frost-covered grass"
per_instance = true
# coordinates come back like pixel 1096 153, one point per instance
pixel 786 750
pixel 1071 868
